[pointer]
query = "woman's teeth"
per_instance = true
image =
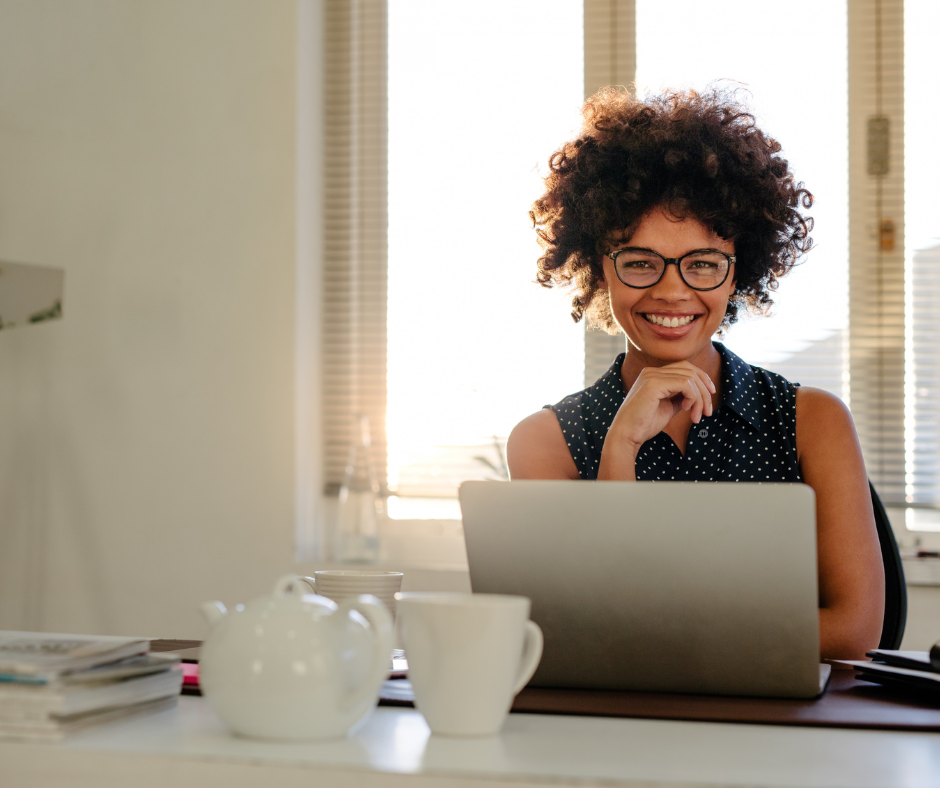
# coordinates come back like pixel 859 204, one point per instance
pixel 670 322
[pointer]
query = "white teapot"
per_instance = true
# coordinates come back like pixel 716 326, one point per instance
pixel 294 665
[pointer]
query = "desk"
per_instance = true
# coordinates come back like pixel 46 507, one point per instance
pixel 187 746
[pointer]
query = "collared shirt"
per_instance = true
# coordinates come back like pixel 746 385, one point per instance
pixel 750 437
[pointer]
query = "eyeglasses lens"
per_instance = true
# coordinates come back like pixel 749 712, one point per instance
pixel 704 270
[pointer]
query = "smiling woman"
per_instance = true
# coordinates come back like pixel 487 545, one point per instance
pixel 666 217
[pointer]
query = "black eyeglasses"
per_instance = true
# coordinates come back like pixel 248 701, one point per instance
pixel 700 269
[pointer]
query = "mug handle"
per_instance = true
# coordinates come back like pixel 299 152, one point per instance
pixel 531 655
pixel 380 622
pixel 288 584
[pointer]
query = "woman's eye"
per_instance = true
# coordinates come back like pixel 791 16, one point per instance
pixel 636 265
pixel 703 264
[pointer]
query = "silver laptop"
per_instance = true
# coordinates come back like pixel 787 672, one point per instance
pixel 657 586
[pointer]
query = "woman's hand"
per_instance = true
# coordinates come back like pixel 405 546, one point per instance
pixel 657 395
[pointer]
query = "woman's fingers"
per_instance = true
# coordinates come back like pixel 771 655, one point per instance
pixel 704 387
pixel 689 383
pixel 709 383
pixel 685 391
pixel 700 399
pixel 707 388
pixel 705 397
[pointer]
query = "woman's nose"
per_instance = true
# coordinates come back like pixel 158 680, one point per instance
pixel 671 287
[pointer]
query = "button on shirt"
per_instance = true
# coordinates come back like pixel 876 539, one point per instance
pixel 750 437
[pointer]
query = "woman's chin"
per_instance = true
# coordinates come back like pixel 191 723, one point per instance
pixel 670 345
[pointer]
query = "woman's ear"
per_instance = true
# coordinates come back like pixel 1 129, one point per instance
pixel 602 278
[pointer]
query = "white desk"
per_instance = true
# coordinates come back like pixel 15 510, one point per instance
pixel 188 746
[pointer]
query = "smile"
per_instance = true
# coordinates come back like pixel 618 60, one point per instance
pixel 670 322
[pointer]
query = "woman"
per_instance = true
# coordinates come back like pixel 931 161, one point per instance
pixel 666 217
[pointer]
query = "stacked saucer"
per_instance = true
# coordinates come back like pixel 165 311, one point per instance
pixel 340 584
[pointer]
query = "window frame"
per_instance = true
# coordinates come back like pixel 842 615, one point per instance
pixel 353 54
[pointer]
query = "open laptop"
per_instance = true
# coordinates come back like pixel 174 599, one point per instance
pixel 657 586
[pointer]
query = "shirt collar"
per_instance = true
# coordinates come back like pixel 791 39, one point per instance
pixel 739 386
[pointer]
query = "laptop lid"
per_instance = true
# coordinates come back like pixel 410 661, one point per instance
pixel 656 586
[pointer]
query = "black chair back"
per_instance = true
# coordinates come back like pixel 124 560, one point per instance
pixel 892 631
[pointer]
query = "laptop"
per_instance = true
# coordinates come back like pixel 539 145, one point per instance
pixel 684 587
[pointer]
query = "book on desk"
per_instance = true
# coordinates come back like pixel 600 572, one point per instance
pixel 911 671
pixel 51 684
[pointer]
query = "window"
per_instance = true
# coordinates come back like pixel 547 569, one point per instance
pixel 480 94
pixel 922 241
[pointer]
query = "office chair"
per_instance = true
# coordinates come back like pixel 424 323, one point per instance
pixel 892 630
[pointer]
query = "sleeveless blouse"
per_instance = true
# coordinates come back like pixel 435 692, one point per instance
pixel 750 437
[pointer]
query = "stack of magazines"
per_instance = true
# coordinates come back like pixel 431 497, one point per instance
pixel 52 684
pixel 911 670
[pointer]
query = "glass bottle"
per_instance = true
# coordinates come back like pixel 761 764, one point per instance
pixel 360 506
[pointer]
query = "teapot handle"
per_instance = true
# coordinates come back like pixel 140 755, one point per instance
pixel 380 622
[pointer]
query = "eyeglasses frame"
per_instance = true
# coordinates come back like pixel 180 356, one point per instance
pixel 732 259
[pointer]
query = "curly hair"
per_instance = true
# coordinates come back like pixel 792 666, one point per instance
pixel 697 155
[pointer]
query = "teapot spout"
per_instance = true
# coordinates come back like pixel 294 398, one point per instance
pixel 214 612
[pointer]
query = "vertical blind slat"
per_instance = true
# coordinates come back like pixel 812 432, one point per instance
pixel 609 59
pixel 876 280
pixel 356 230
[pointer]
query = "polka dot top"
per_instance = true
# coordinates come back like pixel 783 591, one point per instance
pixel 751 436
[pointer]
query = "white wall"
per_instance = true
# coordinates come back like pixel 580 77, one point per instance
pixel 147 439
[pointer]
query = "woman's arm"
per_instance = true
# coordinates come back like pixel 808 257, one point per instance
pixel 851 573
pixel 537 449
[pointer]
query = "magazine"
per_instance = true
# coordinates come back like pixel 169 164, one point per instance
pixel 45 655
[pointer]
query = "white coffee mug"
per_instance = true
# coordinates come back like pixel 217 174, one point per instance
pixel 468 655
pixel 341 584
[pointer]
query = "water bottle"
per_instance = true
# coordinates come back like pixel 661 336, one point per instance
pixel 360 505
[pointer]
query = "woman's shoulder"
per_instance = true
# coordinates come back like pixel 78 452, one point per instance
pixel 819 413
pixel 537 449
pixel 823 422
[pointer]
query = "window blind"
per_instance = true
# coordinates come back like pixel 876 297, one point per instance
pixel 609 59
pixel 355 230
pixel 876 239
